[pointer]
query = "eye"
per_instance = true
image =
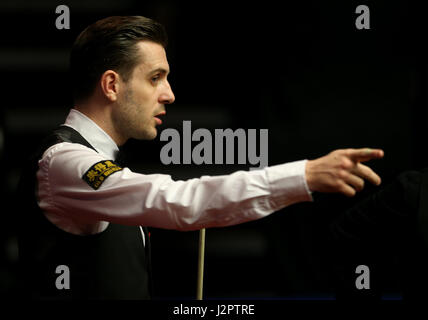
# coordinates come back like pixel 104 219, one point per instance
pixel 155 78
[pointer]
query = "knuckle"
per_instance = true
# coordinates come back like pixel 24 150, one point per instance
pixel 342 174
pixel 338 184
pixel 335 153
pixel 345 163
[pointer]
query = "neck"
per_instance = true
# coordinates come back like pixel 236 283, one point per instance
pixel 100 113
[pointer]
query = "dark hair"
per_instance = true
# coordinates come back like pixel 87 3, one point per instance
pixel 110 43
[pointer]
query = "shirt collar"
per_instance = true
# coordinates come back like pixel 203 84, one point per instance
pixel 89 130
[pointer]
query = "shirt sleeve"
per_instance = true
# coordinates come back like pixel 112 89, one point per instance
pixel 155 200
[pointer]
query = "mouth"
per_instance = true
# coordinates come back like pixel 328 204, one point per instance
pixel 158 120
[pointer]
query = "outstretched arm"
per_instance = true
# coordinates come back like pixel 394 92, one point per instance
pixel 156 200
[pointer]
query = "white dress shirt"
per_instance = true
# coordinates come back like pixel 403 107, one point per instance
pixel 154 200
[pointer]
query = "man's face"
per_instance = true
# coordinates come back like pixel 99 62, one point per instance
pixel 143 97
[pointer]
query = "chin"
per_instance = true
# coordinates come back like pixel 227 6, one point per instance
pixel 151 135
pixel 146 135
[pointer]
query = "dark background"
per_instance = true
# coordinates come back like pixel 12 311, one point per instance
pixel 300 69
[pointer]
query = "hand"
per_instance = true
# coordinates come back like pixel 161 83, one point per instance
pixel 341 171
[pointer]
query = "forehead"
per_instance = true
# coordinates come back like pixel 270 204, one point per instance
pixel 153 56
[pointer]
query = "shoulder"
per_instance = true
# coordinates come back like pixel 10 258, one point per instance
pixel 69 165
pixel 66 148
pixel 68 156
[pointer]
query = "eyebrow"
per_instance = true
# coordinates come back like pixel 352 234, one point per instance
pixel 160 70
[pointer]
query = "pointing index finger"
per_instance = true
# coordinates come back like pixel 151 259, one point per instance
pixel 365 154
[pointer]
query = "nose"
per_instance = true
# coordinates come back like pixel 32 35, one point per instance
pixel 167 97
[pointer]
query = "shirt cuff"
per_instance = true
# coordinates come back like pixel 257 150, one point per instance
pixel 288 184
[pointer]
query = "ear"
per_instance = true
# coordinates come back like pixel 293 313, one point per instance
pixel 110 84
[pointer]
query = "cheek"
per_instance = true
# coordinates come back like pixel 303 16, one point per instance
pixel 147 103
pixel 145 97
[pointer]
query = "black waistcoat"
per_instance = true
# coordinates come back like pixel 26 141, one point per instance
pixel 110 265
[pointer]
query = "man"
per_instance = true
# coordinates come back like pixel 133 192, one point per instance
pixel 84 218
